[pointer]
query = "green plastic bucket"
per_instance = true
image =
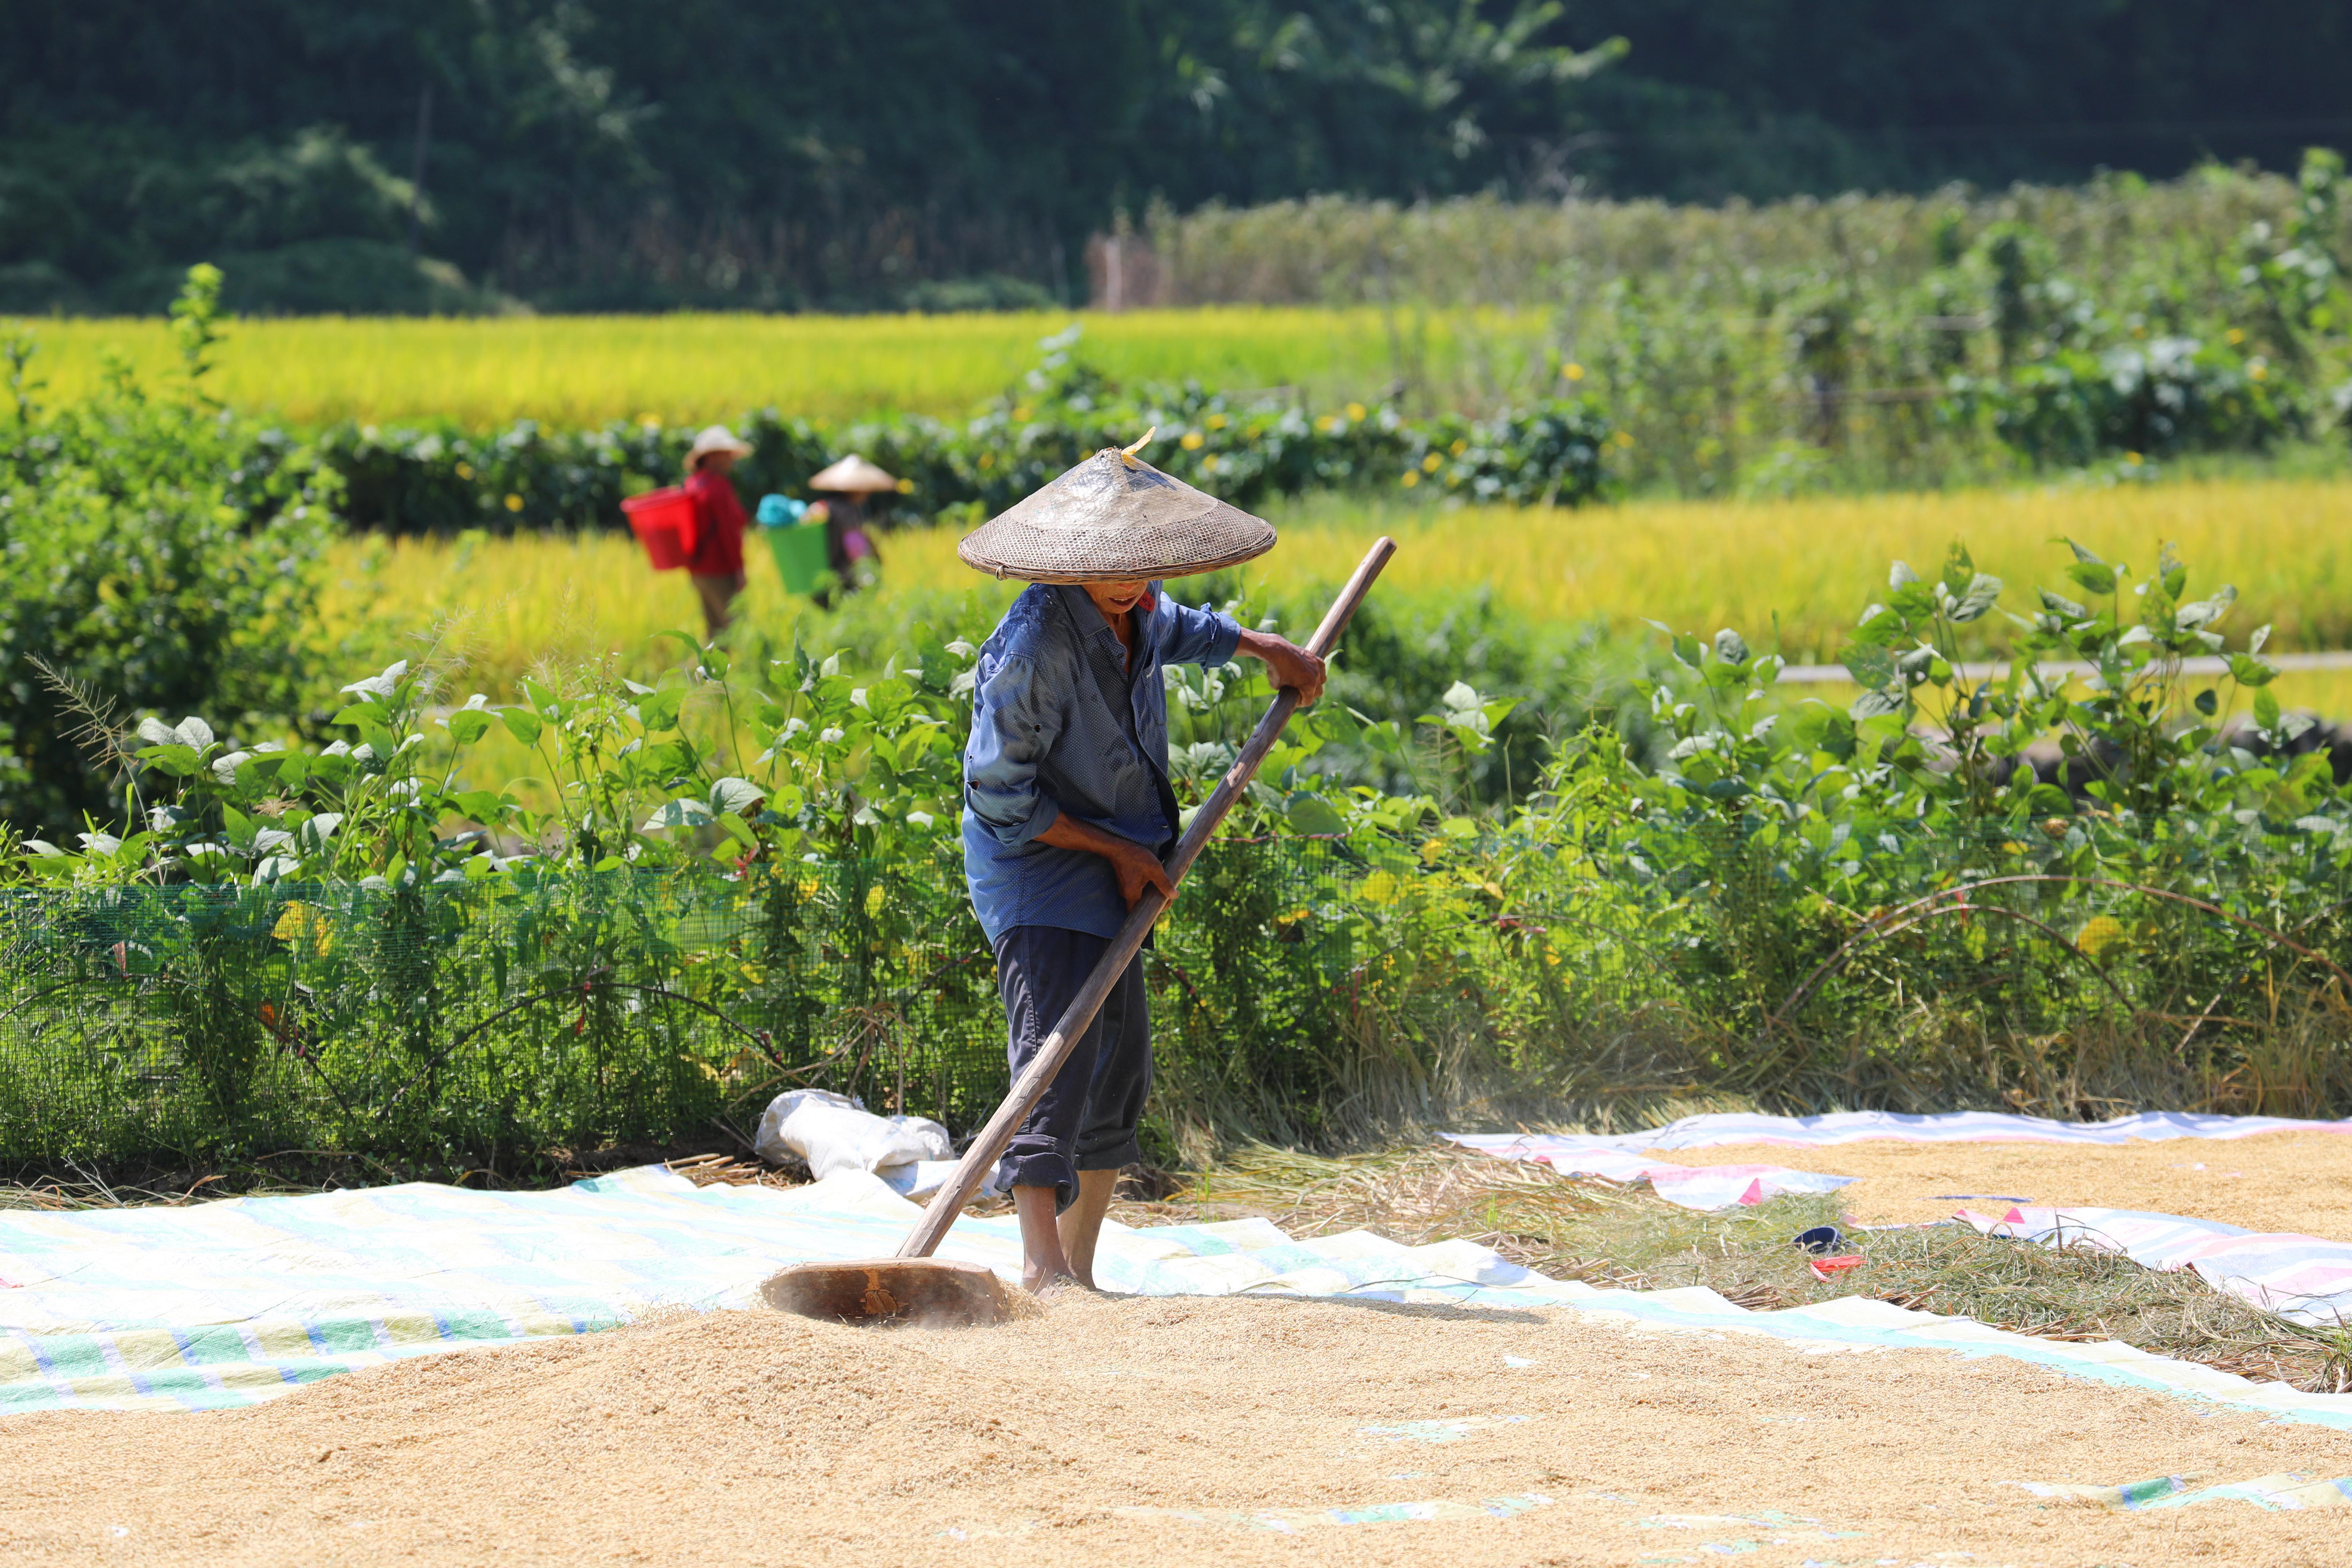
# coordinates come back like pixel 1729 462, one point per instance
pixel 800 555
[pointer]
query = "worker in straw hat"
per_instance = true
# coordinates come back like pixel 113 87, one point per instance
pixel 716 564
pixel 1067 808
pixel 847 488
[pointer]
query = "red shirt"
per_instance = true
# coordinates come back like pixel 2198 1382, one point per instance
pixel 720 523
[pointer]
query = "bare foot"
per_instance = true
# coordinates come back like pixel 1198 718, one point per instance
pixel 1039 1281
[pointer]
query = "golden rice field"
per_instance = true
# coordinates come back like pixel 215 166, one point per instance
pixel 2286 544
pixel 574 370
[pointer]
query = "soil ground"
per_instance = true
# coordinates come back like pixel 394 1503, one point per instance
pixel 2298 1181
pixel 1168 1432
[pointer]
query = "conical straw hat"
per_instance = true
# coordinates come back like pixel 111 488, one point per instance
pixel 850 476
pixel 1114 518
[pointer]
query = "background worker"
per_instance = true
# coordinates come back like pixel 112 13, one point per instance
pixel 848 488
pixel 717 563
pixel 1068 812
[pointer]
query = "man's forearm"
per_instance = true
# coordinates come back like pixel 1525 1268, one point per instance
pixel 1286 663
pixel 1135 867
pixel 1069 833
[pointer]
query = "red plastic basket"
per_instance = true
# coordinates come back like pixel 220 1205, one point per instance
pixel 664 522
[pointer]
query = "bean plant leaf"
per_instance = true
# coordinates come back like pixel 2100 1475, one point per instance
pixel 521 724
pixel 1871 704
pixel 1983 592
pixel 2248 670
pixel 1313 816
pixel 2266 709
pixel 735 795
pixel 468 725
pixel 683 811
pixel 1870 667
pixel 2093 577
pixel 659 711
pixel 2205 611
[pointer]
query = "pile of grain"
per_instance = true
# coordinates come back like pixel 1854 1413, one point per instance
pixel 1122 1431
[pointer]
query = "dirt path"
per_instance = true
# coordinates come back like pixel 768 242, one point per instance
pixel 2299 1182
pixel 1164 1432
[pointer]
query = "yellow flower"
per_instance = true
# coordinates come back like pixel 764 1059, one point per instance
pixel 905 487
pixel 302 926
pixel 1573 372
pixel 2236 335
pixel 1209 464
pixel 1431 463
pixel 1459 448
pixel 2133 459
pixel 2100 933
pixel 1022 413
pixel 987 459
pixel 1191 441
pixel 1218 421
pixel 1355 411
pixel 1411 477
pixel 1625 438
pixel 1327 422
pixel 514 502
pixel 2257 370
pixel 465 470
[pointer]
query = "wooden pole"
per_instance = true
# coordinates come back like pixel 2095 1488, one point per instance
pixel 989 1144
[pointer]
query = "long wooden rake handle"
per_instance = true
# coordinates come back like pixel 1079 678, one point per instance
pixel 989 1144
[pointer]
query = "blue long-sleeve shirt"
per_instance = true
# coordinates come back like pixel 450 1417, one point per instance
pixel 1057 725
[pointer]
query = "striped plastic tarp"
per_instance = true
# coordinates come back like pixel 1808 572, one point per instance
pixel 222 1305
pixel 1692 1186
pixel 2299 1277
pixel 1954 1127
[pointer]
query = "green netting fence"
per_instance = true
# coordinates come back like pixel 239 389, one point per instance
pixel 1302 988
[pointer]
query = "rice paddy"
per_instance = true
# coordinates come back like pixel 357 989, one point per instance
pixel 1806 566
pixel 690 368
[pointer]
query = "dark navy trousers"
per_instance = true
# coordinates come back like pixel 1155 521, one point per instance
pixel 1088 1118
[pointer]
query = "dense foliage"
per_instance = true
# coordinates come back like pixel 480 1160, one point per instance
pixel 744 876
pixel 1864 344
pixel 159 553
pixel 584 152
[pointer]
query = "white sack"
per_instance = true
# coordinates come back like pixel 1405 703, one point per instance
pixel 834 1132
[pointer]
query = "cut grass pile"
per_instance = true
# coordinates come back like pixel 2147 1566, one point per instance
pixel 1813 564
pixel 1628 1238
pixel 484 373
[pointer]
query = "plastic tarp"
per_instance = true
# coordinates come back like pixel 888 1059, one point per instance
pixel 1953 1127
pixel 227 1304
pixel 1692 1186
pixel 2301 1278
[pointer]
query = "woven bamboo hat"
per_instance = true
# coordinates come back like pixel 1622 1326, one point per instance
pixel 1115 518
pixel 852 476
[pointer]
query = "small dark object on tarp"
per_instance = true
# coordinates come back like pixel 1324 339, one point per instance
pixel 928 1292
pixel 1980 1197
pixel 1820 1239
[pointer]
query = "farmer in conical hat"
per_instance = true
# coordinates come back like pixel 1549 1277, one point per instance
pixel 1067 811
pixel 717 564
pixel 847 490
